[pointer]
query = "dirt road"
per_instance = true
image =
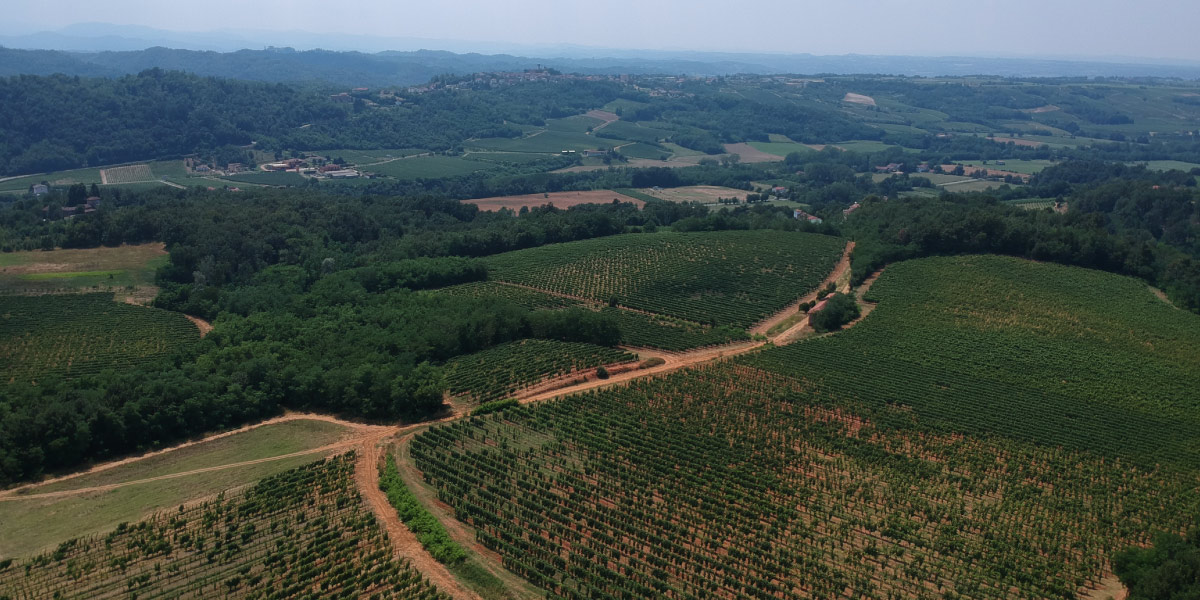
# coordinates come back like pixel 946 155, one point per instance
pixel 367 439
pixel 404 542
pixel 840 272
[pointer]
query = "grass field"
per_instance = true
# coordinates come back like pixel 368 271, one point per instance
pixel 56 178
pixel 127 177
pixel 704 194
pixel 781 149
pixel 269 178
pixel 640 150
pixel 864 146
pixel 546 142
pixel 263 541
pixel 429 167
pixel 78 270
pixel 991 417
pixel 365 157
pixel 70 335
pixel 635 132
pixel 1027 167
pixel 730 278
pixel 575 124
pixel 1167 165
pixel 33 524
pixel 511 158
pixel 558 199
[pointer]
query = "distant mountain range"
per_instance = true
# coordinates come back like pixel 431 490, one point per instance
pixel 107 50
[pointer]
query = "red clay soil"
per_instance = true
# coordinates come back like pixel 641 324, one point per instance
pixel 842 267
pixel 406 545
pixel 201 324
pixel 749 154
pixel 216 436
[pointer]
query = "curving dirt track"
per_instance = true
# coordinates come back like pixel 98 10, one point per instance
pixel 840 271
pixel 404 542
pixel 367 439
pixel 216 436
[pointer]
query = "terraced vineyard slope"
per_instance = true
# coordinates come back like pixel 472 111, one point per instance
pixel 302 533
pixel 733 482
pixel 77 334
pixel 728 278
pixel 996 428
pixel 1041 352
pixel 637 328
pixel 497 372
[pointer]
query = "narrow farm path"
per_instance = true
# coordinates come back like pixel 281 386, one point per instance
pixel 515 587
pixel 1163 296
pixel 603 115
pixel 328 449
pixel 840 274
pixel 590 301
pixel 201 324
pixel 404 542
pixel 368 439
pixel 216 436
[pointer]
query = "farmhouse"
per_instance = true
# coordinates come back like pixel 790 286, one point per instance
pixel 40 190
pixel 818 306
pixel 342 174
pixel 591 153
pixel 801 215
pixel 853 207
pixel 889 168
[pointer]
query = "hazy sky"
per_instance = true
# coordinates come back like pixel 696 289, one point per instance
pixel 1146 28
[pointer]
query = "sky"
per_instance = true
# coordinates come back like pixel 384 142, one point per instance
pixel 1019 28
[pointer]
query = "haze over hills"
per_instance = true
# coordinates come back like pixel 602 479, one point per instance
pixel 108 50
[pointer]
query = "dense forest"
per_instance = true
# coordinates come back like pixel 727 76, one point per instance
pixel 69 122
pixel 318 304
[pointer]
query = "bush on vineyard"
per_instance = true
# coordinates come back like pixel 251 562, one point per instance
pixel 839 310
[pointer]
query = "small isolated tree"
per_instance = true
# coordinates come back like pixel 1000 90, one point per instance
pixel 602 373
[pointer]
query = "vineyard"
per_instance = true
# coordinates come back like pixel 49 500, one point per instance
pixel 127 174
pixel 1044 353
pixel 728 278
pixel 637 328
pixel 734 482
pixel 303 533
pixel 497 372
pixel 78 334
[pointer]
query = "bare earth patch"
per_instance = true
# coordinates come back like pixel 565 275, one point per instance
pixel 201 324
pixel 558 199
pixel 1041 109
pixel 704 194
pixel 859 99
pixel 750 154
pixel 1017 141
pixel 1110 589
pixel 969 169
pixel 603 115
pixel 90 259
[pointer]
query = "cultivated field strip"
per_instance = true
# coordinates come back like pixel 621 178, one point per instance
pixel 303 533
pixel 732 482
pixel 992 345
pixel 722 278
pixel 638 329
pixel 497 372
pixel 77 334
